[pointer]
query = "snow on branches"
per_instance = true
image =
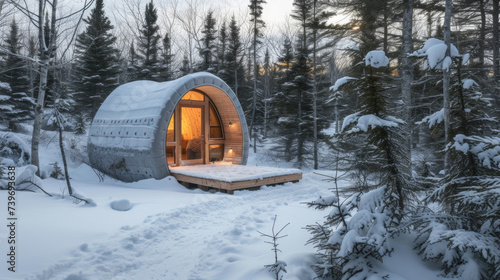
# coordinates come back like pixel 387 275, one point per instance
pixel 355 235
pixel 340 82
pixel 376 59
pixel 434 50
pixel 358 123
pixel 14 148
pixel 485 148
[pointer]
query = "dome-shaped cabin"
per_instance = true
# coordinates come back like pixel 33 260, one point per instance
pixel 143 127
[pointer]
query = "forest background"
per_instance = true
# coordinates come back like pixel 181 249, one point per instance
pixel 403 96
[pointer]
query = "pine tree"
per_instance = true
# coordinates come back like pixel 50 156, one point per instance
pixel 221 53
pixel 284 102
pixel 167 59
pixel 468 227
pixel 15 67
pixel 267 96
pixel 312 16
pixel 359 239
pixel 208 47
pixel 96 67
pixel 235 72
pixel 132 65
pixel 148 45
pixel 16 76
pixel 316 14
pixel 301 91
pixel 5 105
pixel 257 26
pixel 185 68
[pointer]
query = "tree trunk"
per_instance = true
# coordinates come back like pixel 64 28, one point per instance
pixel 496 46
pixel 315 91
pixel 386 29
pixel 267 95
pixel 46 49
pixel 255 73
pixel 300 137
pixel 407 77
pixel 482 38
pixel 446 83
pixel 65 164
pixel 37 124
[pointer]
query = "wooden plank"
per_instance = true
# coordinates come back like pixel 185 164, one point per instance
pixel 265 181
pixel 231 186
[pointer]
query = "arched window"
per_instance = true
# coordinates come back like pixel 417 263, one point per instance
pixel 215 124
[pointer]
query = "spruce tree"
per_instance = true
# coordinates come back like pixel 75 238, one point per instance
pixel 257 26
pixel 5 106
pixel 312 17
pixel 96 67
pixel 221 52
pixel 167 59
pixel 319 41
pixel 15 74
pixel 358 228
pixel 148 45
pixel 284 102
pixel 468 225
pixel 301 91
pixel 235 71
pixel 185 68
pixel 132 64
pixel 208 47
pixel 15 68
pixel 268 83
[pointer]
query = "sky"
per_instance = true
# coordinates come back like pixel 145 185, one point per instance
pixel 275 11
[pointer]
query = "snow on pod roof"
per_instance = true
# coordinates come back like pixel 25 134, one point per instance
pixel 127 136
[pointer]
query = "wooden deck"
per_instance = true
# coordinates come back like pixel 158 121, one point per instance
pixel 228 178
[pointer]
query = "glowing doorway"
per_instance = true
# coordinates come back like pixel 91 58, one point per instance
pixel 192 138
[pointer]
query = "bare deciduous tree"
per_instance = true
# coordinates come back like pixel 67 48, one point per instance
pixel 46 52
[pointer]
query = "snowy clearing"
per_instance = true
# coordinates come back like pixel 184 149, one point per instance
pixel 158 229
pixel 169 232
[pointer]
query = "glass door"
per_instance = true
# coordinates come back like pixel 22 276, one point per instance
pixel 192 135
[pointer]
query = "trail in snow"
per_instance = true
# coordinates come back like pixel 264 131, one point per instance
pixel 211 240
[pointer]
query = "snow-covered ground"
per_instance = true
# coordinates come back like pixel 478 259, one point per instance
pixel 171 232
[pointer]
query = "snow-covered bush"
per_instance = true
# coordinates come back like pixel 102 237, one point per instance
pixel 14 148
pixel 28 181
pixel 466 238
pixel 354 237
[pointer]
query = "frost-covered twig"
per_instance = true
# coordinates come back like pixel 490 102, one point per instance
pixel 278 265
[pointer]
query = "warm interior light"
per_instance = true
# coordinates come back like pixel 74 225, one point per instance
pixel 355 28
